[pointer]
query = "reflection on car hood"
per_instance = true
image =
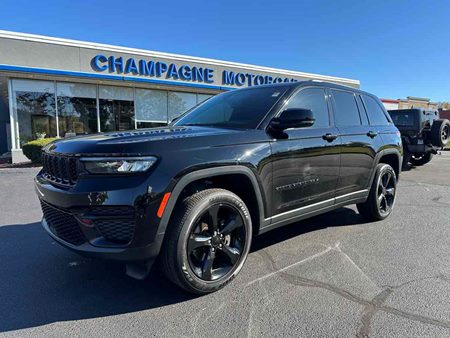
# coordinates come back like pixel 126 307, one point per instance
pixel 138 141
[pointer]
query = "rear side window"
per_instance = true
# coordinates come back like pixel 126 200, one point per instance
pixel 347 113
pixel 403 119
pixel 374 112
pixel 314 99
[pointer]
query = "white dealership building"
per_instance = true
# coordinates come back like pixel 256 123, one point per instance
pixel 61 87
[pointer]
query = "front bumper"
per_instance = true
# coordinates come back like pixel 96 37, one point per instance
pixel 127 254
pixel 118 224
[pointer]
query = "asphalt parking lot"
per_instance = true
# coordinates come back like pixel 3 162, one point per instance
pixel 332 275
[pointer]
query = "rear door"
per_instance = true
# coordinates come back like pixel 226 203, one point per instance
pixel 377 116
pixel 358 148
pixel 379 122
pixel 306 163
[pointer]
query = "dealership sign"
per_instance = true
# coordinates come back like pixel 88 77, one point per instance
pixel 171 71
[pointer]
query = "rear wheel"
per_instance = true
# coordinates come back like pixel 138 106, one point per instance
pixel 422 159
pixel 208 241
pixel 381 198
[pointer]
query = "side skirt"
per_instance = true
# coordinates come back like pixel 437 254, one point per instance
pixel 302 213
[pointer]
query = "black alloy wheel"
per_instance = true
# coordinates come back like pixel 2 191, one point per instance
pixel 381 199
pixel 216 242
pixel 207 241
pixel 386 193
pixel 445 134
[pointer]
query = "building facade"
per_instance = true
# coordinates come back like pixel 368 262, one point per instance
pixel 410 102
pixel 390 104
pixel 52 87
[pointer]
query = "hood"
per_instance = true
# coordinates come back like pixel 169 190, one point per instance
pixel 142 142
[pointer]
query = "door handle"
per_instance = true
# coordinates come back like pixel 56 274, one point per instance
pixel 329 137
pixel 372 134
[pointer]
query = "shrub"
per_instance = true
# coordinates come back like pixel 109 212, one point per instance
pixel 33 149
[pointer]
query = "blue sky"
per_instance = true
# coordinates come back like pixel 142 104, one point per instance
pixel 395 48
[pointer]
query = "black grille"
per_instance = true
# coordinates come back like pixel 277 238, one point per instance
pixel 63 224
pixel 60 169
pixel 116 230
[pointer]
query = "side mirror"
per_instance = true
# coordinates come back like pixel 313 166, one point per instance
pixel 293 118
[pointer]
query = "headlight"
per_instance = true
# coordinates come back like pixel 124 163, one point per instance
pixel 122 165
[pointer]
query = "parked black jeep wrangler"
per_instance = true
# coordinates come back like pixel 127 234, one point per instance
pixel 242 163
pixel 423 134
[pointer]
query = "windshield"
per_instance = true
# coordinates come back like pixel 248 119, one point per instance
pixel 241 109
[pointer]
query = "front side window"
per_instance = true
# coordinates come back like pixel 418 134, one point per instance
pixel 313 99
pixel 346 113
pixel 241 109
pixel 374 112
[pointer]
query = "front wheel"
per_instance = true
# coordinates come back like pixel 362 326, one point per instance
pixel 382 194
pixel 208 241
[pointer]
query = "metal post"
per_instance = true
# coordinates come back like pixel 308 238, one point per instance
pixel 98 107
pixel 134 107
pixel 15 141
pixel 56 110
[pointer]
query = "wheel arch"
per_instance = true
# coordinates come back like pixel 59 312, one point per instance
pixel 393 157
pixel 215 174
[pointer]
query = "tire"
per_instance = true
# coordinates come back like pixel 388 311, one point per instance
pixel 194 256
pixel 381 200
pixel 440 133
pixel 418 160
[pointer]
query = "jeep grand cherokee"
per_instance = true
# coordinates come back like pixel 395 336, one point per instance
pixel 195 193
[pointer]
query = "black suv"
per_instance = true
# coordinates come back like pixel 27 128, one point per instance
pixel 242 163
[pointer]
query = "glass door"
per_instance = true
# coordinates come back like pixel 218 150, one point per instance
pixel 116 108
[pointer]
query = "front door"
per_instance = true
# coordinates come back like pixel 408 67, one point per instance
pixel 306 163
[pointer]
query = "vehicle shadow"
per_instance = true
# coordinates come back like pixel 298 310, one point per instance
pixel 43 283
pixel 339 217
pixel 408 167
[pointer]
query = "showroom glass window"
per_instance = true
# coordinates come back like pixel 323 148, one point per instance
pixel 116 108
pixel 313 99
pixel 203 97
pixel 77 108
pixel 34 104
pixel 180 102
pixel 151 108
